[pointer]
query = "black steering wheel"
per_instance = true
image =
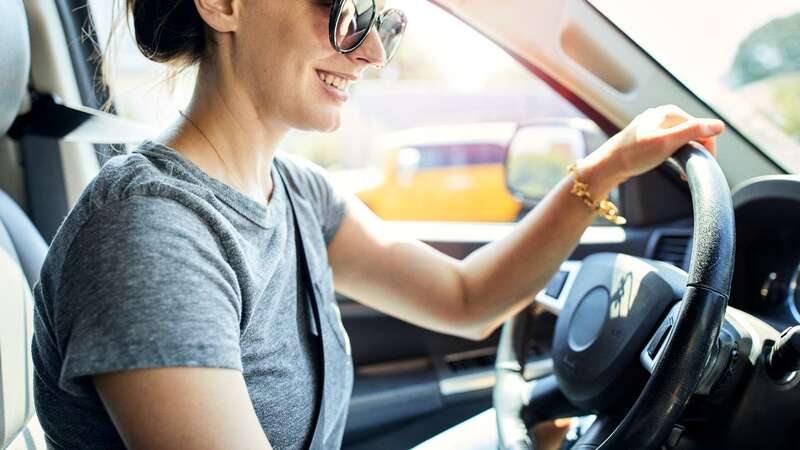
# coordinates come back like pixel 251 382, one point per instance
pixel 612 310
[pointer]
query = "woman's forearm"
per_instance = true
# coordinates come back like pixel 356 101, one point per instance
pixel 470 298
pixel 500 278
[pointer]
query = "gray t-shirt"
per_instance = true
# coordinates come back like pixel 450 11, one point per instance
pixel 160 265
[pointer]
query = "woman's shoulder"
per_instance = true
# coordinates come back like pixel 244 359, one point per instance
pixel 305 177
pixel 299 170
pixel 140 174
pixel 312 183
pixel 132 195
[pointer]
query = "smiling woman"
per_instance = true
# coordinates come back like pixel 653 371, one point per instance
pixel 228 315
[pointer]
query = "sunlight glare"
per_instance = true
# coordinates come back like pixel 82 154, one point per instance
pixel 467 66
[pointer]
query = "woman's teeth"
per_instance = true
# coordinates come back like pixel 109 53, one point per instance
pixel 335 81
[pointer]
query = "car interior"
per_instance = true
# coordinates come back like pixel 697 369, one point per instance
pixel 691 344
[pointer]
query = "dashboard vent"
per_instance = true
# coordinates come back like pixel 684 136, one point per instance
pixel 671 246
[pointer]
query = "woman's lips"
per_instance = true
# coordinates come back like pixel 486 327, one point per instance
pixel 334 93
pixel 336 85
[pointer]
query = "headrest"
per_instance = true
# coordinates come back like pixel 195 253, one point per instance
pixel 15 61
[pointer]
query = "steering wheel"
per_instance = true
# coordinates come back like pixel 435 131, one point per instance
pixel 607 324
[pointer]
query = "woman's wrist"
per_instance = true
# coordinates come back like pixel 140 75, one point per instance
pixel 601 172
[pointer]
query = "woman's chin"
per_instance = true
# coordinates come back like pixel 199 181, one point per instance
pixel 325 121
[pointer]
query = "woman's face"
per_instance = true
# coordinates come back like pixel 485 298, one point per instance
pixel 282 58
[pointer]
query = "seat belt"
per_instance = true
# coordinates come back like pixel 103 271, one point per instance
pixel 312 305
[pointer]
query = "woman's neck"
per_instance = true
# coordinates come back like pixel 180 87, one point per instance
pixel 225 136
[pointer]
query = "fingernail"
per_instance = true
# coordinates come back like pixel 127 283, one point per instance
pixel 714 127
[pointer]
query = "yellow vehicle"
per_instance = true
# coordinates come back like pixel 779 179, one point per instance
pixel 441 173
pixel 444 173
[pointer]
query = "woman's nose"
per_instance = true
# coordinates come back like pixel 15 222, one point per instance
pixel 371 51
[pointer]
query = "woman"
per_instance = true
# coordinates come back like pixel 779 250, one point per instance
pixel 187 300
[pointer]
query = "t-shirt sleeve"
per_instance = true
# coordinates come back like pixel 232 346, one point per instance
pixel 145 284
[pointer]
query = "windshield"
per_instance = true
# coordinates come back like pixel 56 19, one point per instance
pixel 742 57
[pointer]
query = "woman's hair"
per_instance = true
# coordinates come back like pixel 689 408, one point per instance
pixel 168 31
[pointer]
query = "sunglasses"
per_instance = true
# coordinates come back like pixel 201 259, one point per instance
pixel 352 20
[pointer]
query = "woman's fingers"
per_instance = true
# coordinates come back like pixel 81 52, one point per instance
pixel 703 131
pixel 693 129
pixel 710 144
pixel 677 127
pixel 656 134
pixel 550 435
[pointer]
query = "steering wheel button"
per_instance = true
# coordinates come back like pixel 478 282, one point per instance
pixel 556 284
pixel 655 344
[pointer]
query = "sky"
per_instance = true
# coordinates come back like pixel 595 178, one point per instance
pixel 467 64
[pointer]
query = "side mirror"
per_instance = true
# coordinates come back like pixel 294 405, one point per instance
pixel 539 152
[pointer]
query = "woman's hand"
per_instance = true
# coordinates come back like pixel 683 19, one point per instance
pixel 653 136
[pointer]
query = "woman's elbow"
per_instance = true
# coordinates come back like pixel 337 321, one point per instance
pixel 473 329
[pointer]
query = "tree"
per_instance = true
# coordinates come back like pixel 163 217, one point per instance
pixel 769 50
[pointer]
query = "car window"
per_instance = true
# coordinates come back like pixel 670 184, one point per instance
pixel 442 104
pixel 740 56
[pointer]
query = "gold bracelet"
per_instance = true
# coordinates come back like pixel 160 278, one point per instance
pixel 603 208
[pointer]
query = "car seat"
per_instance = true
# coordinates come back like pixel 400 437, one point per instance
pixel 22 252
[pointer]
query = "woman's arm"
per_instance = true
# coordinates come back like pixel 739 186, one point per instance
pixel 470 298
pixel 181 407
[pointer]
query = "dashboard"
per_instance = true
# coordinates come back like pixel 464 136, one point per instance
pixel 766 280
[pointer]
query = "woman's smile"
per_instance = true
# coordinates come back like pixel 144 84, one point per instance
pixel 336 85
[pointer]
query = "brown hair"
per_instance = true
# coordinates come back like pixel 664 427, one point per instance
pixel 168 31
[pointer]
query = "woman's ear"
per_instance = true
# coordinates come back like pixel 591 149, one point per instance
pixel 220 15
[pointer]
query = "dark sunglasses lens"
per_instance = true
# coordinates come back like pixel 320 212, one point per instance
pixel 391 28
pixel 353 23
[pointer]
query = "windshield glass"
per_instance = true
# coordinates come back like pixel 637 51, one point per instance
pixel 742 57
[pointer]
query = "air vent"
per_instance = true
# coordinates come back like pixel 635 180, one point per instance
pixel 671 246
